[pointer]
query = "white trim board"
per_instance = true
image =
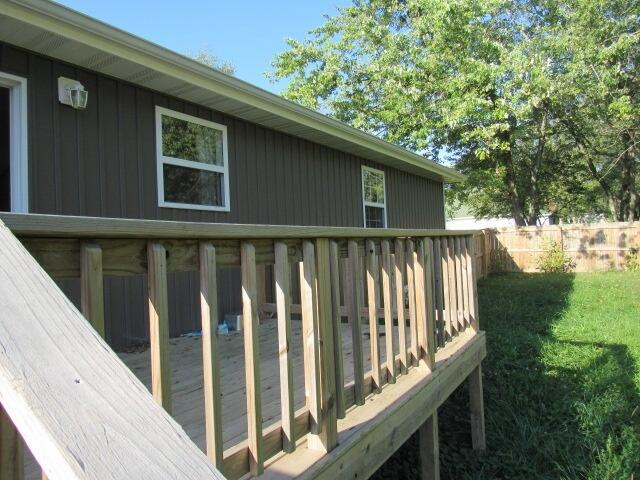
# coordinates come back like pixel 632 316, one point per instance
pixel 18 141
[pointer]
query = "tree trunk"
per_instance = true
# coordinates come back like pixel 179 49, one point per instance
pixel 534 201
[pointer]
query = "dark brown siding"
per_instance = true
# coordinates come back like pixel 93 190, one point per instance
pixel 102 162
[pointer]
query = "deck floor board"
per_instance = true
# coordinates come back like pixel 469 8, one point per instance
pixel 185 356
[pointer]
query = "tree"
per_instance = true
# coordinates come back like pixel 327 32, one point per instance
pixel 598 44
pixel 479 83
pixel 208 58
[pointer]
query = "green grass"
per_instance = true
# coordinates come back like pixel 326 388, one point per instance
pixel 561 383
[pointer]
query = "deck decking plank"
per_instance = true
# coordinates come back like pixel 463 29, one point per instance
pixel 187 377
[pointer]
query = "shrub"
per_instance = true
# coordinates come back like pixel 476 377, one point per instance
pixel 632 260
pixel 553 259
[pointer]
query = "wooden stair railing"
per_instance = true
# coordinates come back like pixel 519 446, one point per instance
pixel 418 285
pixel 80 410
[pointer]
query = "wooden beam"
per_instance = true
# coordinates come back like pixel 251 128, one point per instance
pixel 400 268
pixel 11 449
pixel 91 289
pixel 476 405
pixel 251 330
pixel 372 286
pixel 283 300
pixel 308 299
pixel 387 275
pixel 210 357
pixel 63 226
pixel 411 287
pixel 96 420
pixel 353 290
pixel 429 448
pixel 337 328
pixel 374 433
pixel 327 438
pixel 159 325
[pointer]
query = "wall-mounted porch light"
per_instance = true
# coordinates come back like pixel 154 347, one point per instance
pixel 71 92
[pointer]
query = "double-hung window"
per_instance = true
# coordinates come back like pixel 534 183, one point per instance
pixel 374 203
pixel 192 162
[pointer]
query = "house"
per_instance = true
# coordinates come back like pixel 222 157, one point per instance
pixel 164 137
pixel 461 218
pixel 160 194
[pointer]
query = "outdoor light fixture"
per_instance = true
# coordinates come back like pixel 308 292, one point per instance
pixel 71 92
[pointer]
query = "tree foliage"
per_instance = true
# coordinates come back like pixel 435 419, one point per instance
pixel 536 101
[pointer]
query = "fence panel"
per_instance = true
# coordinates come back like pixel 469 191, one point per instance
pixel 592 247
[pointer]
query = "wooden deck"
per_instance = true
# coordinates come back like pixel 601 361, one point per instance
pixel 186 375
pixel 88 416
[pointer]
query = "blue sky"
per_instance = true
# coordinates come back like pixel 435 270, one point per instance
pixel 246 33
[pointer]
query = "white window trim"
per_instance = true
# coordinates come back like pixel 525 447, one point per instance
pixel 373 204
pixel 162 159
pixel 18 141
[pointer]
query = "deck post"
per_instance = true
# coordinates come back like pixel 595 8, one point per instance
pixel 11 449
pixel 476 405
pixel 429 448
pixel 327 438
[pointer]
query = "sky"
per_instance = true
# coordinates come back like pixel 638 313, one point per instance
pixel 247 34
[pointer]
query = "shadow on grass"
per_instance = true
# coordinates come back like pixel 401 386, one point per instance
pixel 553 408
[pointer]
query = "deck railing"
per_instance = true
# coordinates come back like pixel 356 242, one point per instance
pixel 416 286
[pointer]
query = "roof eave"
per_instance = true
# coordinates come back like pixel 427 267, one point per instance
pixel 69 23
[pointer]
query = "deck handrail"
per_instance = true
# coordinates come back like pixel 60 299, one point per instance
pixel 416 282
pixel 80 410
pixel 88 227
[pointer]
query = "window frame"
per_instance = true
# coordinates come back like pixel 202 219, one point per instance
pixel 161 160
pixel 366 204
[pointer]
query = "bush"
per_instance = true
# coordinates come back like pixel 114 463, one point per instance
pixel 553 259
pixel 632 260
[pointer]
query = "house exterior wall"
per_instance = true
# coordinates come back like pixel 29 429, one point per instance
pixel 102 162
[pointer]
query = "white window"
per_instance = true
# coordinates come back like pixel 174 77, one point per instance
pixel 373 198
pixel 193 168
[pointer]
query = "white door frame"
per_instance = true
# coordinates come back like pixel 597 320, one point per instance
pixel 18 141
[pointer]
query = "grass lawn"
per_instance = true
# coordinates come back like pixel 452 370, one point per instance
pixel 561 383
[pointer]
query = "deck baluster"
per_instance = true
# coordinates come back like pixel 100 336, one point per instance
pixel 353 290
pixel 159 325
pixel 411 290
pixel 251 329
pixel 372 287
pixel 400 268
pixel 387 275
pixel 309 304
pixel 210 367
pixel 337 328
pixel 91 289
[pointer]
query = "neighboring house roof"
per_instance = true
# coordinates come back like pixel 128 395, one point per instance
pixel 67 35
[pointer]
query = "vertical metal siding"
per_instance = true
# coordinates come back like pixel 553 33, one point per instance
pixel 102 162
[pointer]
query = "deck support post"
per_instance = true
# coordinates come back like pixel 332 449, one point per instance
pixel 327 438
pixel 476 405
pixel 429 448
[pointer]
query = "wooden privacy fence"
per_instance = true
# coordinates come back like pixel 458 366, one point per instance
pixel 592 247
pixel 414 285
